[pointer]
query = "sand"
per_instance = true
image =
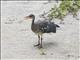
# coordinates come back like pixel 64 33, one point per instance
pixel 17 39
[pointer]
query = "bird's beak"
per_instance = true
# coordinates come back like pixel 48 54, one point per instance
pixel 27 17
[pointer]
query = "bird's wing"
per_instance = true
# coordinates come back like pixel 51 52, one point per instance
pixel 44 26
pixel 48 27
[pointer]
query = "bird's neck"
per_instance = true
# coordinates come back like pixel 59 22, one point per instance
pixel 33 20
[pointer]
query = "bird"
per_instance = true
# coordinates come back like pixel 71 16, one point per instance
pixel 40 28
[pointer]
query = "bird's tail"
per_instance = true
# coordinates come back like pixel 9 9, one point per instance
pixel 57 26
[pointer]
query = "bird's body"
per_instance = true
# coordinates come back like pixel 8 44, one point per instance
pixel 42 27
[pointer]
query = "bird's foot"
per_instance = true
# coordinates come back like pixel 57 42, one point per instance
pixel 40 47
pixel 36 45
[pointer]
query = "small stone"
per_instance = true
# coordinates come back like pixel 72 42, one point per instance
pixel 70 55
pixel 43 53
pixel 51 53
pixel 8 22
pixel 78 56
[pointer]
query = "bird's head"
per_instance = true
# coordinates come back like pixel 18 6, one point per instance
pixel 31 16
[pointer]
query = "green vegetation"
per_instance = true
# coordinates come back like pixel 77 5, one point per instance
pixel 65 7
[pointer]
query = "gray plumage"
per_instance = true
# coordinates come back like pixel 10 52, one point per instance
pixel 42 27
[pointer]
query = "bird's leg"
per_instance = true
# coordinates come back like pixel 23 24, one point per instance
pixel 41 42
pixel 38 41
